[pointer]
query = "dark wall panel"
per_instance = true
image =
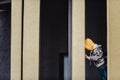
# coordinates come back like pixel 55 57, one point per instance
pixel 5 38
pixel 96 29
pixel 53 37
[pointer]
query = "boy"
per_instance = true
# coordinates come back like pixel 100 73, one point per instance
pixel 96 56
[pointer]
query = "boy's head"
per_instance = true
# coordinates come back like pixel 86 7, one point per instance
pixel 89 44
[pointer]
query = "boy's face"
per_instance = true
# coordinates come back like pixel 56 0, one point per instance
pixel 89 44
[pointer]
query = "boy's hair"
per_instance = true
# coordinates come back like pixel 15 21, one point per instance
pixel 89 44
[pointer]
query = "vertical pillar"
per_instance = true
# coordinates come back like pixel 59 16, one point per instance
pixel 78 36
pixel 16 30
pixel 113 39
pixel 31 40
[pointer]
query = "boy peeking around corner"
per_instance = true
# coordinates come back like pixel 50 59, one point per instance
pixel 96 56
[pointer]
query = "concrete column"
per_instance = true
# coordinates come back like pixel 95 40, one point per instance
pixel 16 30
pixel 31 40
pixel 113 39
pixel 78 36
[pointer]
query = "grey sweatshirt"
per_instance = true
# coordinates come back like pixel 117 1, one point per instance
pixel 96 56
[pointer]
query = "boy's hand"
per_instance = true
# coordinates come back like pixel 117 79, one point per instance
pixel 87 57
